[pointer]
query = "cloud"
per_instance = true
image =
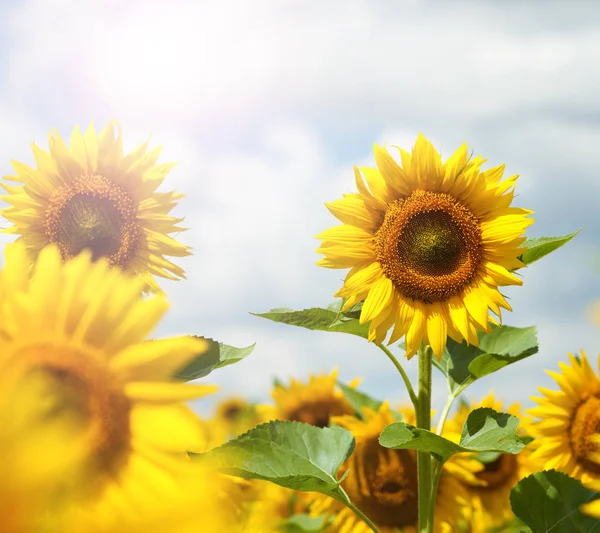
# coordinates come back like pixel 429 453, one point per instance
pixel 268 107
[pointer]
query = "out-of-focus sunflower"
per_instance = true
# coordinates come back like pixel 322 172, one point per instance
pixel 31 414
pixel 382 483
pixel 313 403
pixel 568 421
pixel 270 507
pixel 90 196
pixel 489 490
pixel 81 326
pixel 593 508
pixel 233 416
pixel 428 244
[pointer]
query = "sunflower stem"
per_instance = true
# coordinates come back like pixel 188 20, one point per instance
pixel 444 415
pixel 409 387
pixel 423 415
pixel 437 474
pixel 360 514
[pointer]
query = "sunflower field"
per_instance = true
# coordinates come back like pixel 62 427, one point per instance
pixel 96 432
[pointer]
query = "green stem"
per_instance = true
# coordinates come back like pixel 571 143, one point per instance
pixel 437 474
pixel 360 514
pixel 444 415
pixel 423 413
pixel 409 387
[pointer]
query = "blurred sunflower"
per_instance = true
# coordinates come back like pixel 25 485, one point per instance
pixel 90 196
pixel 81 327
pixel 428 244
pixel 568 421
pixel 31 415
pixel 382 483
pixel 489 490
pixel 313 403
pixel 593 508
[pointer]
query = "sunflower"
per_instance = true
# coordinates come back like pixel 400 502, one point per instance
pixel 489 490
pixel 28 477
pixel 313 403
pixel 382 483
pixel 569 421
pixel 90 196
pixel 428 244
pixel 81 326
pixel 593 508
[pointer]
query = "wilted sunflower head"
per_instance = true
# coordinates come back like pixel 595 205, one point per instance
pixel 428 244
pixel 383 483
pixel 313 403
pixel 79 327
pixel 89 196
pixel 567 427
pixel 490 483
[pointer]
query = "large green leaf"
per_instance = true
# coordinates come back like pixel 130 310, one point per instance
pixel 316 318
pixel 485 430
pixel 358 400
pixel 548 502
pixel 462 364
pixel 291 454
pixel 218 355
pixel 540 246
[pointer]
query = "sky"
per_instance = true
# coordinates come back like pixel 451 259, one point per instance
pixel 267 106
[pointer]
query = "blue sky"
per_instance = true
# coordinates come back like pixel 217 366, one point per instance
pixel 267 105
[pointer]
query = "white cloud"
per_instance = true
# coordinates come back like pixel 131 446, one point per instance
pixel 260 105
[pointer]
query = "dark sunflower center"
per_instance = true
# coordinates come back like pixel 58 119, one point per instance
pixel 383 484
pixel 319 413
pixel 93 213
pixel 584 424
pixel 93 223
pixel 429 245
pixel 79 391
pixel 499 473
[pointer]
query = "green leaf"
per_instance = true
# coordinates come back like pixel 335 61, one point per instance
pixel 541 246
pixel 315 318
pixel 485 430
pixel 218 355
pixel 549 502
pixel 358 400
pixel 304 523
pixel 462 364
pixel 291 454
pixel 401 435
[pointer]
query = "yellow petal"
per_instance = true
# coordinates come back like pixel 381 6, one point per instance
pixel 167 392
pixel 380 296
pixel 158 359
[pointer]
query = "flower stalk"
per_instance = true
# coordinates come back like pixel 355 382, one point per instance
pixel 423 415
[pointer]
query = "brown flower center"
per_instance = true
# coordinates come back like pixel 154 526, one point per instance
pixel 319 412
pixel 93 213
pixel 429 245
pixel 80 391
pixel 499 473
pixel 383 484
pixel 584 424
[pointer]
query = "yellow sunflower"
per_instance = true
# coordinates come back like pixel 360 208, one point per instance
pixel 28 412
pixel 593 508
pixel 382 483
pixel 313 403
pixel 569 421
pixel 90 196
pixel 428 244
pixel 489 490
pixel 81 326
